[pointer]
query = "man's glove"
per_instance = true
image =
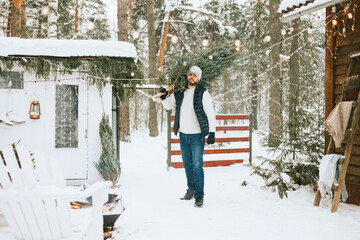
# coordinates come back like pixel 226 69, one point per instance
pixel 163 90
pixel 211 138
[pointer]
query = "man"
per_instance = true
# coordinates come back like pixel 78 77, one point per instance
pixel 194 119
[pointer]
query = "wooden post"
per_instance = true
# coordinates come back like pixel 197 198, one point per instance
pixel 250 137
pixel 168 139
pixel 163 42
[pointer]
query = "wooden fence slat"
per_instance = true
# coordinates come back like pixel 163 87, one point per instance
pixel 217 151
pixel 220 140
pixel 226 117
pixel 216 163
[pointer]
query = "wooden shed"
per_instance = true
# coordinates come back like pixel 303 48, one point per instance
pixel 342 60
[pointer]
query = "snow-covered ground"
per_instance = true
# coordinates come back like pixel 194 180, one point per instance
pixel 154 211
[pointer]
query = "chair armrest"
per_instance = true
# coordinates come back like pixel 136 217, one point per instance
pixel 98 192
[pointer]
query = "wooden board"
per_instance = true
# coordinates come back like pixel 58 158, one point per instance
pixel 211 163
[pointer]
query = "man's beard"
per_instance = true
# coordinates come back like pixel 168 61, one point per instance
pixel 193 83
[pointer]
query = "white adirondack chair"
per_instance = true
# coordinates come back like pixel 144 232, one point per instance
pixel 35 200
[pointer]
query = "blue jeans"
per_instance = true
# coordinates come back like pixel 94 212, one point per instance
pixel 192 151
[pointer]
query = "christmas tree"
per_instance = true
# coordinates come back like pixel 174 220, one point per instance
pixel 108 165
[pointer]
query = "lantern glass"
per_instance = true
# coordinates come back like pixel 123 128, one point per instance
pixel 35 110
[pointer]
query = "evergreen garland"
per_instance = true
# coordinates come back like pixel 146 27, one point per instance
pixel 94 69
pixel 221 58
pixel 108 164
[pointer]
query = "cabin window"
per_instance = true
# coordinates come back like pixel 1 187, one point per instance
pixel 11 80
pixel 66 116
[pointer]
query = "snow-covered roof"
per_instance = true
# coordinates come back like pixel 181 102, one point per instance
pixel 295 8
pixel 289 5
pixel 65 48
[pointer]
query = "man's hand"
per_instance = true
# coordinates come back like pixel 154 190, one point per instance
pixel 163 90
pixel 211 138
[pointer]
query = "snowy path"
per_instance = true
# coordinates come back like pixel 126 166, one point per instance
pixel 231 211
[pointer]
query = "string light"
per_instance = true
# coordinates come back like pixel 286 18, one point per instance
pixel 45 10
pixel 132 74
pixel 237 43
pixel 334 22
pixel 267 38
pixel 205 42
pixel 310 31
pixel 350 15
pixel 238 49
pixel 35 83
pixel 174 38
pixel 91 24
pixel 291 29
pixel 283 32
pixel 135 34
pixel 210 57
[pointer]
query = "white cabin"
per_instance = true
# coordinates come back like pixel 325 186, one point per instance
pixel 70 109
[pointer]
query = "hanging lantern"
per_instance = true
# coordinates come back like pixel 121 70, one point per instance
pixel 35 110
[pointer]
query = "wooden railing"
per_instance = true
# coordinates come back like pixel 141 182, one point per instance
pixel 226 126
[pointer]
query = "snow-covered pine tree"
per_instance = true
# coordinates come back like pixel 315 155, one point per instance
pixel 302 142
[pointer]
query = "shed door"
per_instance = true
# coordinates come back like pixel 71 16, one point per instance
pixel 70 129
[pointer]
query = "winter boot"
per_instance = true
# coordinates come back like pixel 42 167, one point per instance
pixel 189 195
pixel 199 201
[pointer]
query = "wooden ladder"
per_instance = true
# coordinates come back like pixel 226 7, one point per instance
pixel 349 141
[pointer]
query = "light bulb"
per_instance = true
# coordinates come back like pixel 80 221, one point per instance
pixel 291 29
pixel 205 42
pixel 334 22
pixel 45 10
pixel 237 43
pixel 210 57
pixel 310 31
pixel 136 34
pixel 283 32
pixel 132 74
pixel 237 48
pixel 174 38
pixel 90 25
pixel 267 38
pixel 350 15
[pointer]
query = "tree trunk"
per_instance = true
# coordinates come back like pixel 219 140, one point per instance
pixel 294 73
pixel 18 19
pixel 52 19
pixel 124 112
pixel 274 98
pixel 124 118
pixel 254 81
pixel 153 123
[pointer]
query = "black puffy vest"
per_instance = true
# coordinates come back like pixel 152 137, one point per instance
pixel 198 108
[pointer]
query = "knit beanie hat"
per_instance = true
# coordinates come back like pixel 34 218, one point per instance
pixel 196 70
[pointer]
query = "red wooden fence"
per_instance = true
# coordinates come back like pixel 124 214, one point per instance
pixel 233 124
